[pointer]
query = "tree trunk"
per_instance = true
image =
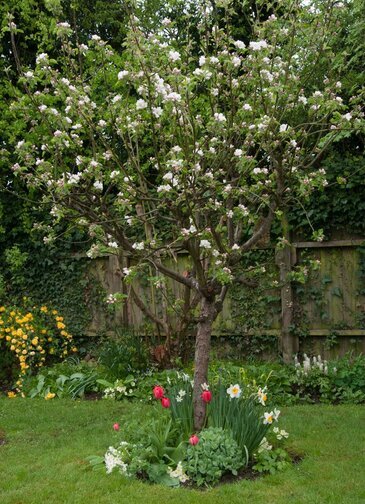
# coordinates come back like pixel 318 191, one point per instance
pixel 208 313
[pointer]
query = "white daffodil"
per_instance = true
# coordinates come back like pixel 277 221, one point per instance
pixel 262 396
pixel 276 414
pixel 268 418
pixel 234 391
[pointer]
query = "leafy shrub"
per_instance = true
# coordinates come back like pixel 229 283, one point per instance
pixel 215 454
pixel 35 335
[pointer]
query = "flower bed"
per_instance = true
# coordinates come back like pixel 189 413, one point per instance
pixel 239 433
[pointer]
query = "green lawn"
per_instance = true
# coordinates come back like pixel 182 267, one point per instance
pixel 43 461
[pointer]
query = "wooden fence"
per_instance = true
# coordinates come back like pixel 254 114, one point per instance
pixel 326 315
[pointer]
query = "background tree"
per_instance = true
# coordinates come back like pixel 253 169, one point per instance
pixel 163 151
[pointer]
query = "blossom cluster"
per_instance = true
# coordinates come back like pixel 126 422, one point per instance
pixel 33 333
pixel 309 365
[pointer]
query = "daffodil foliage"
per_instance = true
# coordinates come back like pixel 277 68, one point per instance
pixel 183 148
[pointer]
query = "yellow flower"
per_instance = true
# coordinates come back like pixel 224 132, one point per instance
pixel 2 308
pixel 44 309
pixel 74 349
pixel 60 325
pixel 11 395
pixel 35 341
pixel 54 312
pixel 50 395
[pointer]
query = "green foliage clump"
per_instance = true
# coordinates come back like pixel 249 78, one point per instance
pixel 215 454
pixel 125 354
pixel 78 382
pixel 272 461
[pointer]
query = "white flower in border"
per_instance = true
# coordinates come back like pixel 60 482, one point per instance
pixel 264 446
pixel 280 434
pixel 238 152
pixel 127 271
pixel 204 386
pixel 268 418
pixel 262 396
pixel 276 414
pixel 178 473
pixel 234 391
pixel 283 128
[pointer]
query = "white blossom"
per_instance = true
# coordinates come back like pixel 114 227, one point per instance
pixel 220 117
pixel 98 185
pixel 239 44
pixel 157 111
pixel 138 245
pixel 122 74
pixel 205 244
pixel 141 104
pixel 257 46
pixel 174 56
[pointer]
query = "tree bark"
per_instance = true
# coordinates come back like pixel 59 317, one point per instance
pixel 208 313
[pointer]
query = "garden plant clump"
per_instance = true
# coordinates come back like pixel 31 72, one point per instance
pixel 235 436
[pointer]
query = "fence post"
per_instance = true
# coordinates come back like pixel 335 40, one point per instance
pixel 285 258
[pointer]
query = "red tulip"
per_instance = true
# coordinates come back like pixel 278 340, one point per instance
pixel 194 440
pixel 158 392
pixel 206 396
pixel 116 426
pixel 165 401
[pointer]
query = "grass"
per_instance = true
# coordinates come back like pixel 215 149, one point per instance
pixel 43 460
